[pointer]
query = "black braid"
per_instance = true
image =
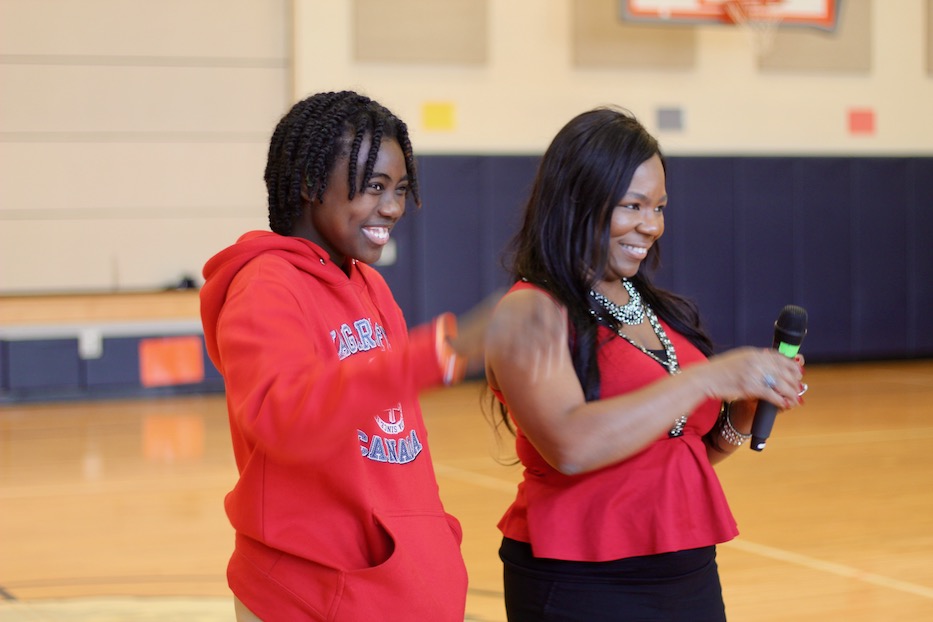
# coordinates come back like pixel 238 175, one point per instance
pixel 313 135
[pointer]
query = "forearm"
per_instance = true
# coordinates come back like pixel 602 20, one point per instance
pixel 599 433
pixel 434 360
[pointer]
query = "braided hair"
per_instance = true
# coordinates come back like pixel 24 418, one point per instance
pixel 313 136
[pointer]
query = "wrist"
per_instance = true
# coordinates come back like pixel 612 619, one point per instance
pixel 727 430
pixel 700 377
pixel 452 365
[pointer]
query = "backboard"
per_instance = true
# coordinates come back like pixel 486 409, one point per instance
pixel 820 14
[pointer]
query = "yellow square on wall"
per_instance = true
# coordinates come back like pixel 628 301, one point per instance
pixel 438 116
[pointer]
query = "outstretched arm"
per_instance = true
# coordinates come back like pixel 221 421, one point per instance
pixel 528 359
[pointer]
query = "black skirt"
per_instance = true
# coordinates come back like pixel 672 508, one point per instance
pixel 670 587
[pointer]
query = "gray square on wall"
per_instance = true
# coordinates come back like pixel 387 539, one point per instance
pixel 670 119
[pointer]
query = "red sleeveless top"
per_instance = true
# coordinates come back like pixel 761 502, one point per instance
pixel 665 498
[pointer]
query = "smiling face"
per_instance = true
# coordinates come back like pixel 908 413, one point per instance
pixel 637 221
pixel 358 228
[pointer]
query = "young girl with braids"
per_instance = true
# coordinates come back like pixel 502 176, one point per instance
pixel 336 510
pixel 617 400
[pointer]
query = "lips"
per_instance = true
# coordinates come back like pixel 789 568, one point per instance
pixel 377 235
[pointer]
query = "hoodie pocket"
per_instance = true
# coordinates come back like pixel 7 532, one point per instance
pixel 424 578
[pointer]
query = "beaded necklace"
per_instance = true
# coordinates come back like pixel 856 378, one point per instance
pixel 631 313
pixel 620 314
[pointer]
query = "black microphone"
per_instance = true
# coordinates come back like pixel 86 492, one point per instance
pixel 789 331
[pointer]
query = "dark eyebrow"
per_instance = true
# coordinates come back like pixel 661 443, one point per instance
pixel 639 196
pixel 386 177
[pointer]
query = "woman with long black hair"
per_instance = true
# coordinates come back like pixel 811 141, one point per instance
pixel 619 406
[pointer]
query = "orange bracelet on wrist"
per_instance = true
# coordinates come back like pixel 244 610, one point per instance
pixel 453 366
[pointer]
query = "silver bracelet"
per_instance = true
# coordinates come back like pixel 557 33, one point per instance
pixel 727 431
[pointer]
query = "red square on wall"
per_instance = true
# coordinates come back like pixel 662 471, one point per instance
pixel 861 121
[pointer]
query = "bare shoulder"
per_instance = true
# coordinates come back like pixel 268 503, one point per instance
pixel 527 325
pixel 527 310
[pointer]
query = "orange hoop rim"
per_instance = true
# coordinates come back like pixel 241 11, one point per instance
pixel 751 11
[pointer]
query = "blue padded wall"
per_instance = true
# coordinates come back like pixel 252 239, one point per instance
pixel 508 183
pixel 879 256
pixel 848 239
pixel 919 210
pixel 822 256
pixel 117 366
pixel 762 256
pixel 43 369
pixel 449 234
pixel 4 368
pixel 699 238
pixel 43 365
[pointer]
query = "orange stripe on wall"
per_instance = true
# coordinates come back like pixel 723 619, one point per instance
pixel 166 361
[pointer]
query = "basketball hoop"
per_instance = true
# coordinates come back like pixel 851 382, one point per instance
pixel 760 18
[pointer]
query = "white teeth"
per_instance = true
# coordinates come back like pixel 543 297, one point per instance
pixel 379 235
pixel 637 250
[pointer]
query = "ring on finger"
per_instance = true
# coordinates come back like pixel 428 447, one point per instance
pixel 803 390
pixel 769 381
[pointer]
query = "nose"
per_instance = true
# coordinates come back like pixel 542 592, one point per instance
pixel 652 222
pixel 392 206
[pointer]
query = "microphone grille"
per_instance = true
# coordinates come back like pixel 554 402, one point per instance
pixel 793 318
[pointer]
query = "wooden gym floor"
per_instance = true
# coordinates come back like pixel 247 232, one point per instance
pixel 113 510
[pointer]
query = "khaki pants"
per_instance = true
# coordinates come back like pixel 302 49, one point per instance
pixel 242 613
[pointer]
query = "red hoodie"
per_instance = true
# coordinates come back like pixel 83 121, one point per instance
pixel 336 510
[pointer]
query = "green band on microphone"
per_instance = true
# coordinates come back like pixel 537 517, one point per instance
pixel 788 350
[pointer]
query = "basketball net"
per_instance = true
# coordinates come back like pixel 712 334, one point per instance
pixel 759 17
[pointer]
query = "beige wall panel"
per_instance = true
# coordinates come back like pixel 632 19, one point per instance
pixel 68 83
pixel 133 136
pixel 127 180
pixel 847 49
pixel 50 99
pixel 420 31
pixel 529 86
pixel 929 37
pixel 236 29
pixel 109 255
pixel 602 39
